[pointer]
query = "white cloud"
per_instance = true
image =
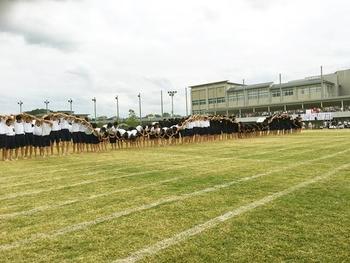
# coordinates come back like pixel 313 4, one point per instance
pixel 84 48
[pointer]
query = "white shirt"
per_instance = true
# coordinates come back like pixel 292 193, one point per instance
pixel 19 128
pixel 139 128
pixel 88 131
pixel 70 127
pixel 3 127
pixel 10 130
pixel 28 127
pixel 75 127
pixel 64 124
pixel 82 128
pixel 121 131
pixel 56 126
pixel 46 129
pixel 38 130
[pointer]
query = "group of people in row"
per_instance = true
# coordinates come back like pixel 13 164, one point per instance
pixel 25 136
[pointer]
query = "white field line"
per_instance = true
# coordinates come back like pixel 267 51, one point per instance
pixel 118 214
pixel 145 164
pixel 77 169
pixel 73 201
pixel 86 182
pixel 198 229
pixel 67 167
pixel 49 179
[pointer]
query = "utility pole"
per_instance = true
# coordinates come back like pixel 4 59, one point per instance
pixel 171 94
pixel 280 80
pixel 20 103
pixel 186 102
pixel 70 101
pixel 161 103
pixel 322 89
pixel 94 100
pixel 117 99
pixel 47 106
pixel 140 108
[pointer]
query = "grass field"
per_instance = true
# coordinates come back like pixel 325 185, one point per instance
pixel 267 199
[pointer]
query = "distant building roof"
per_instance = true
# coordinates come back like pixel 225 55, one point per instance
pixel 215 83
pixel 301 82
pixel 253 86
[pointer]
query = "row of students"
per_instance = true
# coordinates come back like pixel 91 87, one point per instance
pixel 23 136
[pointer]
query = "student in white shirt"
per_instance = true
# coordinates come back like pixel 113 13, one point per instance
pixel 38 138
pixel 29 137
pixel 46 135
pixel 76 135
pixel 3 131
pixel 19 136
pixel 65 134
pixel 10 139
pixel 55 134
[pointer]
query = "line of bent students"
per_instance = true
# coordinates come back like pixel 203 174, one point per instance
pixel 25 136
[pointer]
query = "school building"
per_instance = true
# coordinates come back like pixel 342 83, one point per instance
pixel 330 92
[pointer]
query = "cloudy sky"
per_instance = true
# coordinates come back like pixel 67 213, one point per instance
pixel 61 49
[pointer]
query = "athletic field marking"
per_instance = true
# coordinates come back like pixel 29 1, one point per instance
pixel 115 170
pixel 198 229
pixel 118 214
pixel 96 172
pixel 35 192
pixel 68 166
pixel 73 201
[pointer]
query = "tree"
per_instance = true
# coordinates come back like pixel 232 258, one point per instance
pixel 167 115
pixel 132 120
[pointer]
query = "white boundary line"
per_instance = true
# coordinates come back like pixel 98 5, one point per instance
pixel 184 235
pixel 73 201
pixel 117 159
pixel 139 166
pixel 118 214
pixel 124 175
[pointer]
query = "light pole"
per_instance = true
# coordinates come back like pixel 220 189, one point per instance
pixel 186 102
pixel 161 103
pixel 171 94
pixel 94 100
pixel 139 95
pixel 47 106
pixel 20 103
pixel 71 105
pixel 117 99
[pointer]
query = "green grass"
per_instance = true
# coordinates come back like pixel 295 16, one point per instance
pixel 107 206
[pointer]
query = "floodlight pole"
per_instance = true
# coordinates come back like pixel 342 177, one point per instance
pixel 94 100
pixel 139 96
pixel 47 106
pixel 171 94
pixel 186 102
pixel 161 103
pixel 70 101
pixel 20 103
pixel 117 99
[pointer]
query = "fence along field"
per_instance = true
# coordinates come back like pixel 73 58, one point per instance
pixel 259 199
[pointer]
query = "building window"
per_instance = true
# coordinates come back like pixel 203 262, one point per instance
pixel 288 92
pixel 221 100
pixel 263 94
pixel 236 96
pixel 303 91
pixel 202 102
pixel 195 102
pixel 253 95
pixel 212 101
pixel 315 89
pixel 275 93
